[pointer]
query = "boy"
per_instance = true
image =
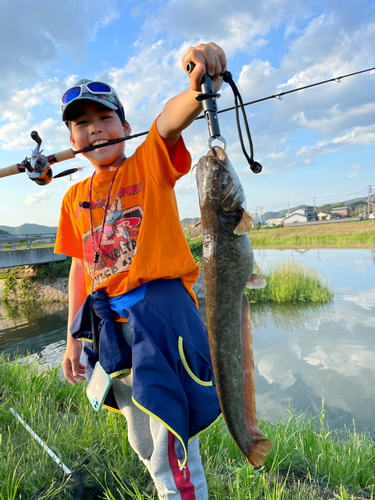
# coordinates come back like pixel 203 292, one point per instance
pixel 122 229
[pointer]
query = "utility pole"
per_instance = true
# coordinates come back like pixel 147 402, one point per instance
pixel 257 215
pixel 314 204
pixel 369 199
pixel 288 209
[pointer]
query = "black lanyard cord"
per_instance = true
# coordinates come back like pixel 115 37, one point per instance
pixel 238 103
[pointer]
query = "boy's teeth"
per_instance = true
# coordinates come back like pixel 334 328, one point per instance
pixel 96 143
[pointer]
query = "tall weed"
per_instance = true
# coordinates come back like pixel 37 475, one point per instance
pixel 290 281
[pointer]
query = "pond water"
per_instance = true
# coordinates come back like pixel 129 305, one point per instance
pixel 302 353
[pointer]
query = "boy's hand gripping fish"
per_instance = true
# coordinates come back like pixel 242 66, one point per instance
pixel 228 263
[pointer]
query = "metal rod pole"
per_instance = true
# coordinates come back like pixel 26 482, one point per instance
pixel 42 443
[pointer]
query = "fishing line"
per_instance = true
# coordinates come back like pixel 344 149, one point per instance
pixel 281 94
pixel 262 99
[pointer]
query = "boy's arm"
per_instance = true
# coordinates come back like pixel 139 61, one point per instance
pixel 180 111
pixel 77 294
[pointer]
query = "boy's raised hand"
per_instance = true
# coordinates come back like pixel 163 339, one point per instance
pixel 180 111
pixel 208 58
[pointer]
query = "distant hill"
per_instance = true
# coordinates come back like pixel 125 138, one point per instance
pixel 29 229
pixel 3 232
pixel 189 223
pixel 354 204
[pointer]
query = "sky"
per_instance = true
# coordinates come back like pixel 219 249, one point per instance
pixel 317 143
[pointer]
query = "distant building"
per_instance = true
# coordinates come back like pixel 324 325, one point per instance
pixel 324 215
pixel 341 211
pixel 301 215
pixel 276 221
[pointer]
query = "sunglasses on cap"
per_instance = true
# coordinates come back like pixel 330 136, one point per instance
pixel 96 91
pixel 92 87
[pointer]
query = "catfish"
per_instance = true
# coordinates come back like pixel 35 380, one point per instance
pixel 228 264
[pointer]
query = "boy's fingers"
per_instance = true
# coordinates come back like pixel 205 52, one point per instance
pixel 81 368
pixel 220 58
pixel 208 58
pixel 72 370
pixel 68 373
pixel 194 56
pixel 78 368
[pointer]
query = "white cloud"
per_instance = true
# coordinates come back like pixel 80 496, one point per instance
pixel 359 135
pixel 38 197
pixel 34 36
pixel 15 135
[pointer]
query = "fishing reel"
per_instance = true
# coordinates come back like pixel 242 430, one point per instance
pixel 38 166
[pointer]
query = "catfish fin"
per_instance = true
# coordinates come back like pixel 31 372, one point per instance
pixel 245 224
pixel 196 231
pixel 256 281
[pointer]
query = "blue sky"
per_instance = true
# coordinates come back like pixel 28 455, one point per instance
pixel 315 143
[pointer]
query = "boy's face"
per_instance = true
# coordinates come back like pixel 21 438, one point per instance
pixel 91 124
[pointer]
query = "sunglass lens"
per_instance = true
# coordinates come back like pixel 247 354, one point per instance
pixel 71 94
pixel 99 87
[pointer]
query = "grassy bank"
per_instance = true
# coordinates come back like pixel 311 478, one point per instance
pixel 339 235
pixel 308 461
pixel 58 269
pixel 290 281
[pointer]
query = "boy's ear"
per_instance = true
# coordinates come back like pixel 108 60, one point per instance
pixel 72 141
pixel 127 128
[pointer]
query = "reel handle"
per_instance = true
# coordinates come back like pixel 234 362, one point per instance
pixel 35 136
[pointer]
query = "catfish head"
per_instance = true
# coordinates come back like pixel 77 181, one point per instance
pixel 219 187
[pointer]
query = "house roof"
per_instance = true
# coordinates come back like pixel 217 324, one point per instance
pixel 339 208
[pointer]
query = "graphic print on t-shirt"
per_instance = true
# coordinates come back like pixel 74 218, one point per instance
pixel 119 243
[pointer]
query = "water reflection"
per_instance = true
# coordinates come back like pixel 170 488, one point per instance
pixel 304 353
pixel 291 316
pixel 37 329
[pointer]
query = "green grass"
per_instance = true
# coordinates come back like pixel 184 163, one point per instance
pixel 309 461
pixel 290 281
pixel 195 247
pixel 340 235
pixel 362 240
pixel 10 246
pixel 58 269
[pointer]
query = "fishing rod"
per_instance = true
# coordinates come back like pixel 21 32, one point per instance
pixel 38 166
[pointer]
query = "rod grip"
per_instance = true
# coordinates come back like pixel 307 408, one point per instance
pixel 17 168
pixel 67 154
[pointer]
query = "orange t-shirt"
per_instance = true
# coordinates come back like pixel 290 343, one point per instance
pixel 143 238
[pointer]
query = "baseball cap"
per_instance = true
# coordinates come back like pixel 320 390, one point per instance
pixel 94 91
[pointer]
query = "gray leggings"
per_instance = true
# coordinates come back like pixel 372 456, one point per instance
pixel 154 444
